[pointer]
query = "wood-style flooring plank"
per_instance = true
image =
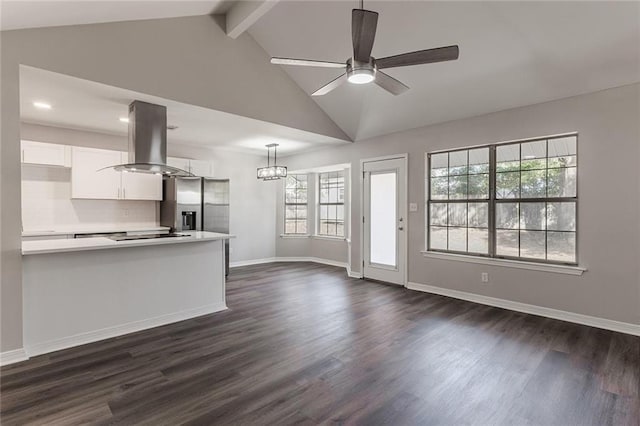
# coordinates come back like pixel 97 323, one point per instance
pixel 304 344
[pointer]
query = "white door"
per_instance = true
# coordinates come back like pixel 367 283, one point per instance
pixel 385 221
pixel 140 186
pixel 88 181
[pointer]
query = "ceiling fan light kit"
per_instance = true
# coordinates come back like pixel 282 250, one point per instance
pixel 362 68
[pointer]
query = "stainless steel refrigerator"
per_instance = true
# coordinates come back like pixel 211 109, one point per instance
pixel 196 204
pixel 215 210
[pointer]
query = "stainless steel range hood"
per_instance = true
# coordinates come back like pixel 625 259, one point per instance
pixel 148 141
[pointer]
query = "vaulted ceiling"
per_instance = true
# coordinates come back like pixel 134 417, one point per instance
pixel 511 53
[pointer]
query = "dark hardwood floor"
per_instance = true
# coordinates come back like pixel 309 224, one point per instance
pixel 302 343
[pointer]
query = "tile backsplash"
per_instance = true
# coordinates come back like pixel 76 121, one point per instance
pixel 47 204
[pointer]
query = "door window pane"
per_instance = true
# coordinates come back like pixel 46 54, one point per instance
pixel 384 221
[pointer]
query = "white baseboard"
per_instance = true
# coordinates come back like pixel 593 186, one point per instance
pixel 252 262
pixel 312 259
pixel 119 330
pixel 289 259
pixel 354 274
pixel 11 357
pixel 603 323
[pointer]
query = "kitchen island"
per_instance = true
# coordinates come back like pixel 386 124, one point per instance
pixel 77 291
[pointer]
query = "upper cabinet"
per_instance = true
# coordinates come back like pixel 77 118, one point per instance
pixel 141 186
pixel 46 154
pixel 89 182
pixel 196 167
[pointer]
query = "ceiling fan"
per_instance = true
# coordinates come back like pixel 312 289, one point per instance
pixel 362 68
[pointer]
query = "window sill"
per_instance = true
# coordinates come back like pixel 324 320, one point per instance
pixel 558 269
pixel 294 235
pixel 328 237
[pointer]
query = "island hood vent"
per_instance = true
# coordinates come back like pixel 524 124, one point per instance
pixel 148 141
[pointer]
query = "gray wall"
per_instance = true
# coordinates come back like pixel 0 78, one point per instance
pixel 189 60
pixel 254 233
pixel 608 123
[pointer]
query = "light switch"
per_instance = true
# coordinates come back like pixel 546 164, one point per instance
pixel 413 207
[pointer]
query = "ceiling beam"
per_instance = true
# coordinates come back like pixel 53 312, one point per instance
pixel 244 14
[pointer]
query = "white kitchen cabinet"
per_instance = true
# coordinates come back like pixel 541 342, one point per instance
pixel 88 182
pixel 47 154
pixel 196 167
pixel 141 186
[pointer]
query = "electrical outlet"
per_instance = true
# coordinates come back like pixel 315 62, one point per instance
pixel 125 212
pixel 484 277
pixel 413 207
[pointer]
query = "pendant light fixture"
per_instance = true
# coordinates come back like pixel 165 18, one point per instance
pixel 272 172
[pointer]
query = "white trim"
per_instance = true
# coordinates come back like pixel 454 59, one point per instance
pixel 535 138
pixel 119 330
pixel 354 274
pixel 519 264
pixel 542 311
pixel 312 259
pixel 11 357
pixel 290 259
pixel 405 157
pixel 294 236
pixel 328 237
pixel 252 262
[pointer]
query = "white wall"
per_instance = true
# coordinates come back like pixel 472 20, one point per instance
pixel 46 192
pixel 608 123
pixel 47 204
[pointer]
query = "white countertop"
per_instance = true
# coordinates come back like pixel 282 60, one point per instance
pixel 91 229
pixel 101 243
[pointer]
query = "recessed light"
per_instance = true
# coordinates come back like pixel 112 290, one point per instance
pixel 124 119
pixel 42 105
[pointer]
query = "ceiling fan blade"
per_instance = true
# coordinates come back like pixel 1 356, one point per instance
pixel 363 32
pixel 439 54
pixel 330 86
pixel 307 63
pixel 390 84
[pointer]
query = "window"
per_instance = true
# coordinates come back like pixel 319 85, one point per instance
pixel 331 204
pixel 295 204
pixel 515 200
